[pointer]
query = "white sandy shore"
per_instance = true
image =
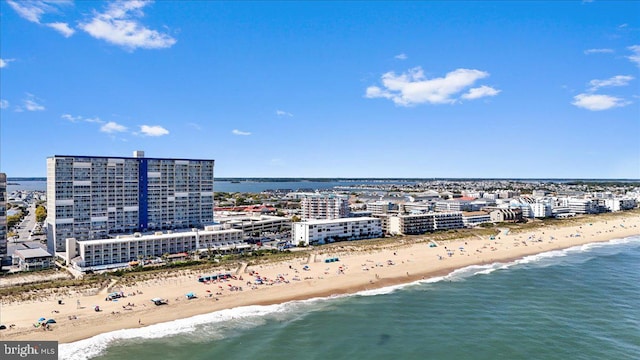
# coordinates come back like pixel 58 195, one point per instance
pixel 355 271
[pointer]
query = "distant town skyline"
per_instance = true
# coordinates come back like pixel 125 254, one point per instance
pixel 326 89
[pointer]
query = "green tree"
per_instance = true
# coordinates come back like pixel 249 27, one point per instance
pixel 295 218
pixel 41 213
pixel 13 220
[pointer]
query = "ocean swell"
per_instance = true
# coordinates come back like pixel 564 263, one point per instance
pixel 254 315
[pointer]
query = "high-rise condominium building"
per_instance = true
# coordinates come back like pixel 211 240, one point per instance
pixel 3 216
pixel 93 197
pixel 325 206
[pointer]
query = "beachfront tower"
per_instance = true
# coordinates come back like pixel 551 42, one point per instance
pixel 97 197
pixel 3 217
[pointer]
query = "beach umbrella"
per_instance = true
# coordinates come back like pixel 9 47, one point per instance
pixel 51 321
pixel 42 319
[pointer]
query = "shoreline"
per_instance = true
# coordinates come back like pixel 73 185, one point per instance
pixel 356 271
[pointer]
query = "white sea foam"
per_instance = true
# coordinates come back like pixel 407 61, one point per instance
pixel 89 348
pixel 247 316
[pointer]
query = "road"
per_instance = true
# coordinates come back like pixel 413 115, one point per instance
pixel 24 232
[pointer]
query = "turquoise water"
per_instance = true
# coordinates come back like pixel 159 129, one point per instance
pixel 579 303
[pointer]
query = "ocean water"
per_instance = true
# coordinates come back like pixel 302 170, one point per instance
pixel 578 303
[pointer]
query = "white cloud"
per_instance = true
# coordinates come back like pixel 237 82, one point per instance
pixel 479 92
pixel 195 126
pixel 598 102
pixel 618 80
pixel 4 104
pixel 5 62
pixel 34 10
pixel 30 10
pixel 112 127
pixel 78 118
pixel 598 51
pixel 71 117
pixel 412 87
pixel 402 56
pixel 118 25
pixel 153 130
pixel 283 113
pixel 635 57
pixel 62 28
pixel 238 132
pixel 30 104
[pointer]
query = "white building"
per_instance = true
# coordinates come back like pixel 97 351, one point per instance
pixel 381 207
pixel 412 224
pixel 92 197
pixel 541 209
pixel 453 205
pixel 525 204
pixel 326 231
pixel 254 223
pixel 33 259
pixel 582 206
pixel 475 218
pixel 118 252
pixel 618 204
pixel 324 206
pixel 3 217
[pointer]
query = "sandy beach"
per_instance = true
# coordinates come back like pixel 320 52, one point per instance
pixel 354 270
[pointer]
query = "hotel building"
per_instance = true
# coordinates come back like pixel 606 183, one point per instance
pixel 325 231
pixel 413 224
pixel 98 197
pixel 118 252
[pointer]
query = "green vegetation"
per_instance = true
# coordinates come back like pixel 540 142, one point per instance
pixel 13 220
pixel 41 213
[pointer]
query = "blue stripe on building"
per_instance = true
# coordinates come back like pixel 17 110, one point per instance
pixel 143 195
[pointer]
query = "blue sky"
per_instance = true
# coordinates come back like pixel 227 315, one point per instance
pixel 326 89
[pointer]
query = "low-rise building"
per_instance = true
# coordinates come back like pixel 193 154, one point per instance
pixel 314 232
pixel 461 204
pixel 254 223
pixel 413 224
pixel 381 207
pixel 33 259
pixel 475 218
pixel 118 252
pixel 582 206
pixel 619 204
pixel 506 215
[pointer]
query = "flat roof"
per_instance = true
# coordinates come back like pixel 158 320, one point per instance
pixel 337 221
pixel 131 237
pixel 123 157
pixel 32 253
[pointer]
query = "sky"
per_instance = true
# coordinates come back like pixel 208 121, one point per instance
pixel 326 89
